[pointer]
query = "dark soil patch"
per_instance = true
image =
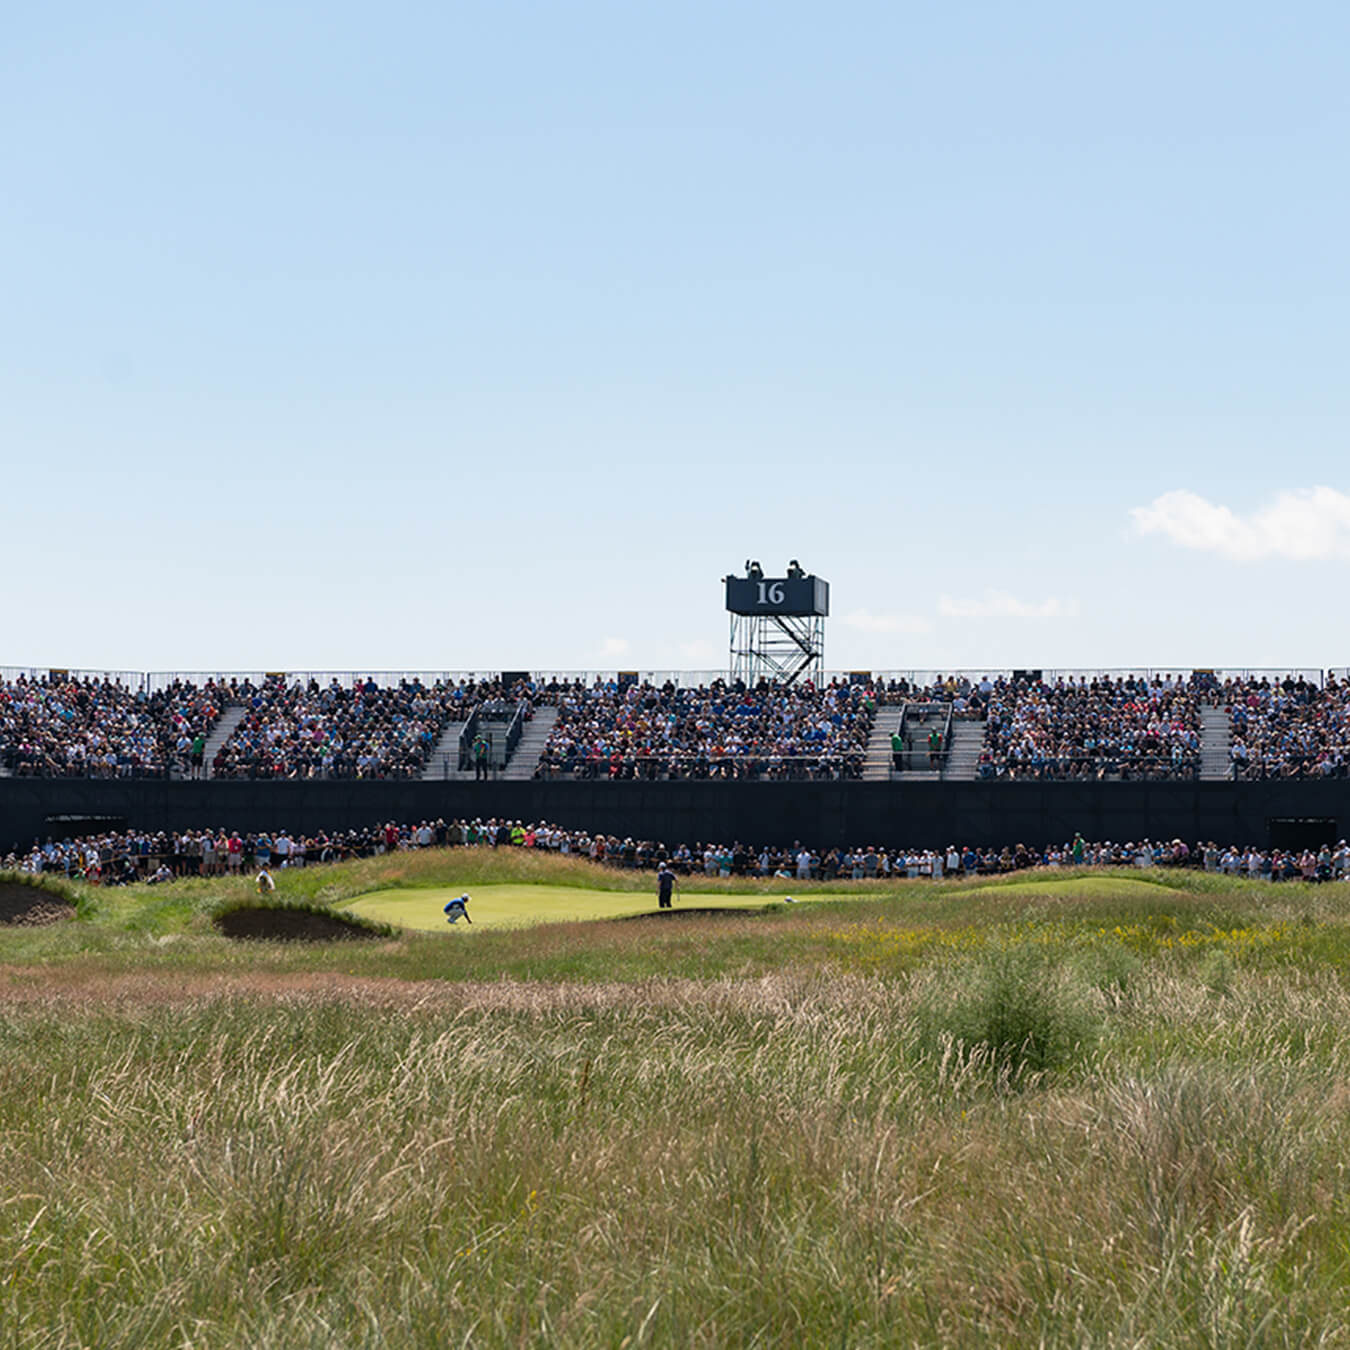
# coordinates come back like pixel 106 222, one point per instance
pixel 288 925
pixel 30 906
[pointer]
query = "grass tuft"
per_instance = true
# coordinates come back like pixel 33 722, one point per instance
pixel 1015 1008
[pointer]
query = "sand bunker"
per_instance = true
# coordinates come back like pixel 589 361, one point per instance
pixel 258 924
pixel 30 906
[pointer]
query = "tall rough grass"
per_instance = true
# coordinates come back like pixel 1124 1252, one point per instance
pixel 771 1161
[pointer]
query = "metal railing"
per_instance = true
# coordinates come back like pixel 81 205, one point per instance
pixel 912 758
pixel 155 680
pixel 919 760
pixel 19 765
pixel 1249 771
pixel 516 729
pixel 1088 768
pixel 386 679
pixel 695 766
pixel 467 737
pixel 498 721
pixel 132 680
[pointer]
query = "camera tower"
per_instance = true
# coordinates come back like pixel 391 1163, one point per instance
pixel 777 625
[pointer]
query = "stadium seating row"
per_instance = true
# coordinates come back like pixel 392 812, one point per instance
pixel 1088 727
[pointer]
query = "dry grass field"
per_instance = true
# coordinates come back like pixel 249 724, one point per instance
pixel 1073 1111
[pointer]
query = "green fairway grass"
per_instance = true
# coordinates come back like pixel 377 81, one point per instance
pixel 517 906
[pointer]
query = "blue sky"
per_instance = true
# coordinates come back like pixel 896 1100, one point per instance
pixel 478 336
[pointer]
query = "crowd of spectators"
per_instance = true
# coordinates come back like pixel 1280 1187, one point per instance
pixel 1096 727
pixel 1088 727
pixel 638 730
pixel 146 856
pixel 363 730
pixel 57 727
pixel 1289 728
pixel 1085 727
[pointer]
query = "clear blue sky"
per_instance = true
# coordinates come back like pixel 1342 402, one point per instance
pixel 443 336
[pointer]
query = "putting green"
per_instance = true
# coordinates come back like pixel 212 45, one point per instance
pixel 511 906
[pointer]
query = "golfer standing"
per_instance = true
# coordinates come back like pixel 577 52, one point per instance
pixel 666 881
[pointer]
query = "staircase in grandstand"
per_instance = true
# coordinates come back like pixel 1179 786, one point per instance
pixel 877 761
pixel 1216 740
pixel 918 722
pixel 220 733
pixel 963 756
pixel 525 757
pixel 915 722
pixel 443 762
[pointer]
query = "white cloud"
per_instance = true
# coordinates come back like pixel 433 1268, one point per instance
pixel 1001 605
pixel 887 623
pixel 1303 524
pixel 614 647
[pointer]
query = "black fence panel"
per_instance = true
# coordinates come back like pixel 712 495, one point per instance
pixel 822 814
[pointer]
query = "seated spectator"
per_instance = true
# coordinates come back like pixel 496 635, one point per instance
pixel 710 731
pixel 1288 728
pixel 1099 728
pixel 308 730
pixel 59 726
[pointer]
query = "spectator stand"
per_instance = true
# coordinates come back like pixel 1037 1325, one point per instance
pixel 71 724
pixel 294 729
pixel 1289 728
pixel 623 729
pixel 996 724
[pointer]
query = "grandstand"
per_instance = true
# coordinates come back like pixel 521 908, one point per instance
pixel 1003 726
pixel 987 756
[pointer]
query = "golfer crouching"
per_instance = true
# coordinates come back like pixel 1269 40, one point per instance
pixel 457 910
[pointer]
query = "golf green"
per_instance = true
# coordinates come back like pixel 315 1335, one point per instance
pixel 512 906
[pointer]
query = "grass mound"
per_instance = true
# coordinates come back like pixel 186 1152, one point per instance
pixel 1081 887
pixel 29 904
pixel 255 922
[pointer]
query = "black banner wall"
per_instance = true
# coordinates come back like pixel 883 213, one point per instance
pixel 821 814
